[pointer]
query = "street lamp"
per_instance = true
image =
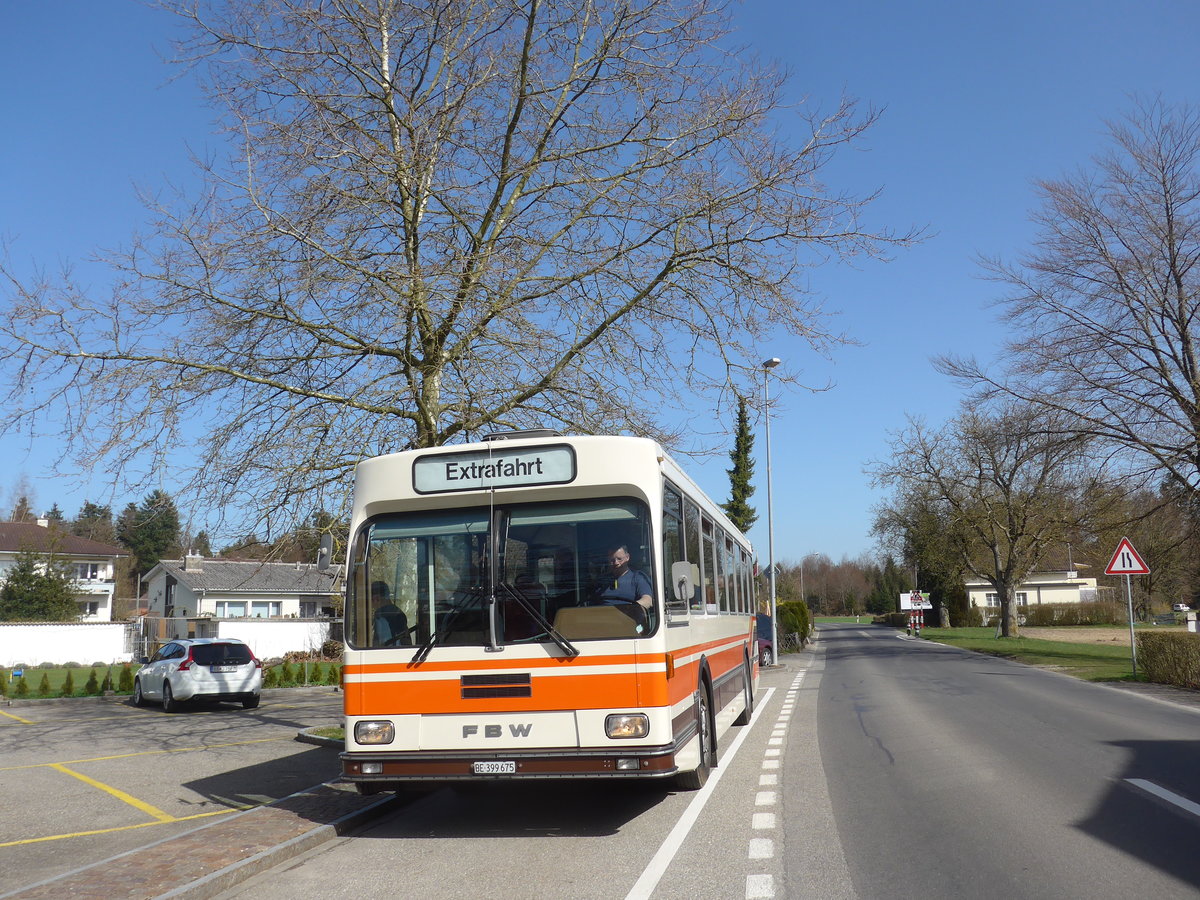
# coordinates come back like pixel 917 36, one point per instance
pixel 768 365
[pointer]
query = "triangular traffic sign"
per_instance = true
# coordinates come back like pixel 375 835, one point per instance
pixel 1126 561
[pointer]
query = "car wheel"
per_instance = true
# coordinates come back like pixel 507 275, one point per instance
pixel 170 704
pixel 764 656
pixel 138 699
pixel 251 702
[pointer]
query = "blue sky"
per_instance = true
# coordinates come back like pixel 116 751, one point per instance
pixel 978 100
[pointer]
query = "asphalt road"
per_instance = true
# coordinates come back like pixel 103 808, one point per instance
pixel 876 766
pixel 84 780
pixel 958 775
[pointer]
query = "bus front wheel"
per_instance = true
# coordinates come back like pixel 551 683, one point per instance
pixel 695 779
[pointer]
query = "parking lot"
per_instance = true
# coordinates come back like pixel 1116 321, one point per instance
pixel 84 780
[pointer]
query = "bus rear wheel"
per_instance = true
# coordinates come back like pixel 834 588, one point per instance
pixel 696 779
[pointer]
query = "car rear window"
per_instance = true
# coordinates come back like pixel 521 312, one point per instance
pixel 221 654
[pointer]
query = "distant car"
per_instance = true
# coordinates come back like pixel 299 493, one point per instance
pixel 199 669
pixel 1181 607
pixel 764 641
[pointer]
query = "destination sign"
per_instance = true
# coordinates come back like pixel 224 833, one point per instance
pixel 498 468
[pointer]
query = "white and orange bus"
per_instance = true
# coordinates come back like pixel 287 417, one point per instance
pixel 486 634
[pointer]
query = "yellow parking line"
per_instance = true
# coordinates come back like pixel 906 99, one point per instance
pixel 149 810
pixel 60 837
pixel 72 762
pixel 17 718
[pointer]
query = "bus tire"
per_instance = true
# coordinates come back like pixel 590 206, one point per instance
pixel 748 689
pixel 695 779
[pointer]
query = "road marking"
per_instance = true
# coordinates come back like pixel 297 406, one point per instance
pixel 644 887
pixel 760 887
pixel 152 811
pixel 73 762
pixel 1163 794
pixel 17 719
pixel 116 828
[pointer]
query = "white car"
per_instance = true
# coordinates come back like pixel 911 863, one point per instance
pixel 1181 607
pixel 199 669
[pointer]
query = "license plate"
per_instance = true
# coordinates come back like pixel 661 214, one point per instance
pixel 500 767
pixel 223 668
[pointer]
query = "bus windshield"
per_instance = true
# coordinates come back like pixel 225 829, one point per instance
pixel 564 571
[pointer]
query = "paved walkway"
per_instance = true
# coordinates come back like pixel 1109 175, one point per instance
pixel 208 860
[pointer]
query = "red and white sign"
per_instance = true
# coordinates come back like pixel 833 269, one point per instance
pixel 1126 561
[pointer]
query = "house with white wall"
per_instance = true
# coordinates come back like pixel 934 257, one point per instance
pixel 1051 586
pixel 276 607
pixel 92 564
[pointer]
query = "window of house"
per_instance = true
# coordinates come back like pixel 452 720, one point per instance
pixel 87 571
pixel 265 609
pixel 231 609
pixel 309 609
pixel 994 599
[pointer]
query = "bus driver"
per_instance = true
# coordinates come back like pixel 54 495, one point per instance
pixel 626 585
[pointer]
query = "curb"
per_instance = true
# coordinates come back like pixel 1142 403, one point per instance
pixel 215 883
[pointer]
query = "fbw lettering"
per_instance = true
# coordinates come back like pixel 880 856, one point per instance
pixel 494 731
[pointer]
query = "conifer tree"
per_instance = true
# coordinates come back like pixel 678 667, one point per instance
pixel 739 510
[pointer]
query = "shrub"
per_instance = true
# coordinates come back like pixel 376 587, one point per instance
pixel 1097 613
pixel 44 686
pixel 22 688
pixel 1170 657
pixel 270 677
pixel 92 688
pixel 794 618
pixel 68 688
pixel 287 675
pixel 894 619
pixel 3 683
pixel 107 684
pixel 46 665
pixel 333 675
pixel 970 617
pixel 125 680
pixel 72 665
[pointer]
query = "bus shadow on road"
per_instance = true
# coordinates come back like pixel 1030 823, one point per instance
pixel 1146 812
pixel 529 809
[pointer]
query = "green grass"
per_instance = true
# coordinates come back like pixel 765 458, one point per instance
pixel 1090 662
pixel 336 732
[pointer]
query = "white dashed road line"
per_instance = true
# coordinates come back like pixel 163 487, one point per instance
pixel 761 885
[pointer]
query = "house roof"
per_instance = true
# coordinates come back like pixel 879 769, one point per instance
pixel 16 537
pixel 229 575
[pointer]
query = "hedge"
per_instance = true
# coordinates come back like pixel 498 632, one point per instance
pixel 1170 657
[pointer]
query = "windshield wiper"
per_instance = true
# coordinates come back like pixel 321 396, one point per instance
pixel 567 647
pixel 471 599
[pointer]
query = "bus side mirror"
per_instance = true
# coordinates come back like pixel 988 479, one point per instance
pixel 325 553
pixel 684 576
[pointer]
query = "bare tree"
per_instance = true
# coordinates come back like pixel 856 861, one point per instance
pixel 1008 484
pixel 444 218
pixel 1106 308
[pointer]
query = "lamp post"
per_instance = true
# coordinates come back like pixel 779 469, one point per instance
pixel 768 365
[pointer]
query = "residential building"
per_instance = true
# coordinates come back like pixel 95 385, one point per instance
pixel 1050 586
pixel 92 564
pixel 275 607
pixel 195 587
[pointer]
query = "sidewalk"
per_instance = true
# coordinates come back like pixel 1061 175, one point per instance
pixel 211 859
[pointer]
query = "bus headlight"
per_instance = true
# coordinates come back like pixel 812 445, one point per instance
pixel 627 725
pixel 374 732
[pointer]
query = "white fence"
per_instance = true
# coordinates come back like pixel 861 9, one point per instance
pixel 63 642
pixel 31 644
